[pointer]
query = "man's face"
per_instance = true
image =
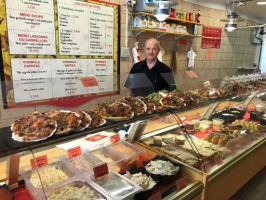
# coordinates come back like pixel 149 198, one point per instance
pixel 151 50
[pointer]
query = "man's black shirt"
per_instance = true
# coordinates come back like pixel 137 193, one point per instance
pixel 155 75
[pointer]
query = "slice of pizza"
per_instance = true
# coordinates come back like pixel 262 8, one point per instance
pixel 67 121
pixel 85 120
pixel 137 105
pixel 33 127
pixel 96 118
pixel 117 111
pixel 151 107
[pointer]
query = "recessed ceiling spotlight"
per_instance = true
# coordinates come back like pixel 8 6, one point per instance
pixel 261 3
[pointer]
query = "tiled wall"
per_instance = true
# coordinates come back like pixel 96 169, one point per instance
pixel 236 51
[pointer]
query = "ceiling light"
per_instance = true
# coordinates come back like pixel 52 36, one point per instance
pixel 230 27
pixel 261 3
pixel 161 14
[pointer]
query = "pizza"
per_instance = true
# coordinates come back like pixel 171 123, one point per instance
pixel 67 121
pixel 85 120
pixel 33 127
pixel 117 111
pixel 96 118
pixel 172 101
pixel 150 105
pixel 137 105
pixel 187 97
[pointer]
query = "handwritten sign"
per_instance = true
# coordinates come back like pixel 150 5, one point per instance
pixel 39 161
pixel 74 152
pixel 100 170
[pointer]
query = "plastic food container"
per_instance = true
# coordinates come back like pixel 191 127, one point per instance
pixel 76 189
pixel 83 163
pixel 117 186
pixel 121 154
pixel 50 175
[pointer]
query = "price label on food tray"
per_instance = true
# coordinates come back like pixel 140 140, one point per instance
pixel 95 138
pixel 155 196
pixel 73 152
pixel 39 161
pixel 181 183
pixel 115 138
pixel 100 170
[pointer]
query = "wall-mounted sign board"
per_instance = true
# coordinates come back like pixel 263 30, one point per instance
pixel 58 51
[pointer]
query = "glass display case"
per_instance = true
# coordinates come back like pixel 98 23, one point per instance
pixel 210 127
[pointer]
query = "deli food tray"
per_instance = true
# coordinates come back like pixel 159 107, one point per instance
pixel 42 178
pixel 117 186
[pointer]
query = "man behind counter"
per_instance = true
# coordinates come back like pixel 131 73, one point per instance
pixel 159 74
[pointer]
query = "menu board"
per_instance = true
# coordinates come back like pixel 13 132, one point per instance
pixel 85 23
pixel 56 49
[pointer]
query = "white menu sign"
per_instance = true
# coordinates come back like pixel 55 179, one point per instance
pixel 37 79
pixel 85 28
pixel 31 27
pixel 31 79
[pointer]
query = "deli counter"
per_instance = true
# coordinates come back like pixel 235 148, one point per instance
pixel 169 145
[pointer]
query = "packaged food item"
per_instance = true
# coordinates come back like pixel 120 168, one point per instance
pixel 83 163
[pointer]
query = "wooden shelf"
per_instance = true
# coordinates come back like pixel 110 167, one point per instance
pixel 168 18
pixel 161 32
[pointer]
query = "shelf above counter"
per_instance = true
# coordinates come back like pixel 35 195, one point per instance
pixel 160 32
pixel 168 18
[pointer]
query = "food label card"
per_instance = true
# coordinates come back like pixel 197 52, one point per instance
pixel 100 170
pixel 95 138
pixel 115 138
pixel 74 152
pixel 39 161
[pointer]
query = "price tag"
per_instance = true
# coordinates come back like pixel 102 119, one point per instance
pixel 181 183
pixel 218 159
pixel 155 196
pixel 206 166
pixel 89 81
pixel 95 138
pixel 73 152
pixel 39 161
pixel 115 138
pixel 100 170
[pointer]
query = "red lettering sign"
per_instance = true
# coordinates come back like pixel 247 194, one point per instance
pixel 73 152
pixel 39 161
pixel 100 170
pixel 89 81
pixel 95 138
pixel 115 138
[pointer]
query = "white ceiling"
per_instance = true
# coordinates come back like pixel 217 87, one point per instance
pixel 249 10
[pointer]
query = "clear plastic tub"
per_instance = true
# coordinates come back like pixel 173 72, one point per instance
pixel 117 186
pixel 83 163
pixel 118 155
pixel 43 178
pixel 76 188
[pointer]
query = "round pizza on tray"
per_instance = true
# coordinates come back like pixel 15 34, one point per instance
pixel 67 121
pixel 117 111
pixel 96 118
pixel 137 105
pixel 33 127
pixel 85 120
